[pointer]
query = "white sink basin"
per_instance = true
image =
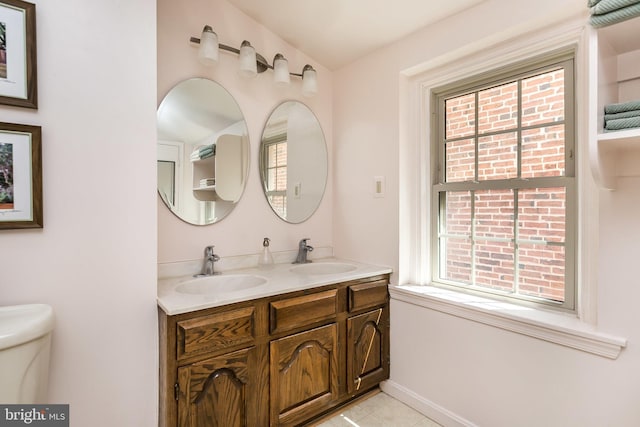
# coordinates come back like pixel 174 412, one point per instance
pixel 323 268
pixel 22 323
pixel 222 284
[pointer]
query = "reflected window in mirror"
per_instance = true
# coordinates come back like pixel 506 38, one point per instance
pixel 166 181
pixel 293 162
pixel 275 150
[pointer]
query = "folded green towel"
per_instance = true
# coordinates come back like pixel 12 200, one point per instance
pixel 207 155
pixel 623 115
pixel 622 107
pixel 206 149
pixel 616 16
pixel 593 2
pixel 619 124
pixel 606 6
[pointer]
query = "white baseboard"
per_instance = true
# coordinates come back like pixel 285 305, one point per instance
pixel 426 407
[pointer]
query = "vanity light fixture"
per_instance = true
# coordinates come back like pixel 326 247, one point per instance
pixel 252 63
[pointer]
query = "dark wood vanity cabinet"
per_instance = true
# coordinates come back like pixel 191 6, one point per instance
pixel 276 361
pixel 211 365
pixel 367 336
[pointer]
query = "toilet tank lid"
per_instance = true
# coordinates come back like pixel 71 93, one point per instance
pixel 22 323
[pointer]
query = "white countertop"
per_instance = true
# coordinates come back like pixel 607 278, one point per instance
pixel 279 279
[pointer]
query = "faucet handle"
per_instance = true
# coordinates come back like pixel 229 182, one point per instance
pixel 208 251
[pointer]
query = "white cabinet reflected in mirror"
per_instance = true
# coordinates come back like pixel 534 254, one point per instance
pixel 203 151
pixel 293 162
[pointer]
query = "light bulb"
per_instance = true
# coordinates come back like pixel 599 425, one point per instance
pixel 208 50
pixel 248 65
pixel 309 81
pixel 281 70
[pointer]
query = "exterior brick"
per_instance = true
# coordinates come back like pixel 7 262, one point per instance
pixel 541 212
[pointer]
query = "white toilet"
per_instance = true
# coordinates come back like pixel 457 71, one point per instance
pixel 25 342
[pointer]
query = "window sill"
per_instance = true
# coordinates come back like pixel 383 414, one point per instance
pixel 557 328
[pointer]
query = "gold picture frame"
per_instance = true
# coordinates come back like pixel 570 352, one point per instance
pixel 18 70
pixel 20 176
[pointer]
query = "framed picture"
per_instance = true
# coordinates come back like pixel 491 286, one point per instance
pixel 18 77
pixel 20 176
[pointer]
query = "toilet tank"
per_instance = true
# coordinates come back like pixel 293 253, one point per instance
pixel 25 343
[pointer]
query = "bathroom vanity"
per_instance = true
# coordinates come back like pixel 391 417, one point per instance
pixel 282 353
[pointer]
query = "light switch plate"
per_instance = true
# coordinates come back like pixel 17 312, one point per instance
pixel 378 186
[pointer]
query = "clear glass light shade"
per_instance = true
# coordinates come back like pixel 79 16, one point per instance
pixel 208 50
pixel 248 65
pixel 309 82
pixel 281 71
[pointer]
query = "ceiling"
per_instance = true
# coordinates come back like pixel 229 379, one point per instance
pixel 337 32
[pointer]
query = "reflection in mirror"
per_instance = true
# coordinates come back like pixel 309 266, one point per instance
pixel 203 151
pixel 167 180
pixel 293 162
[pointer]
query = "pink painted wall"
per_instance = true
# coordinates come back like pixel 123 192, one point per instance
pixel 242 231
pixel 105 228
pixel 95 259
pixel 472 372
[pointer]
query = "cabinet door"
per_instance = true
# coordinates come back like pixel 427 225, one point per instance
pixel 367 350
pixel 304 375
pixel 217 392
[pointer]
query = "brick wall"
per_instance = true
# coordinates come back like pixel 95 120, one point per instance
pixel 537 266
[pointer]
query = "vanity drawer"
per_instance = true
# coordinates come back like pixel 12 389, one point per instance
pixel 368 295
pixel 292 313
pixel 216 331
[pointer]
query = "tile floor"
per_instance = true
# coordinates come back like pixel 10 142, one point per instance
pixel 379 410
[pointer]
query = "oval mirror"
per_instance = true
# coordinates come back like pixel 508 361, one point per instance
pixel 203 151
pixel 293 162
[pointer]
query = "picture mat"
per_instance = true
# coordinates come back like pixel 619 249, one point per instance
pixel 15 85
pixel 22 191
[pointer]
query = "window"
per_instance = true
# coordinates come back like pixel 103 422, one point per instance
pixel 422 186
pixel 504 203
pixel 274 156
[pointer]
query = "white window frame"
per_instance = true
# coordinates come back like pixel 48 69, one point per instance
pixel 564 59
pixel 578 329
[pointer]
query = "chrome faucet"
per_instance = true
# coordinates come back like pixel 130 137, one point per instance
pixel 303 249
pixel 209 259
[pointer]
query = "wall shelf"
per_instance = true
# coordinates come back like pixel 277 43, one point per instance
pixel 623 139
pixel 204 169
pixel 614 76
pixel 227 167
